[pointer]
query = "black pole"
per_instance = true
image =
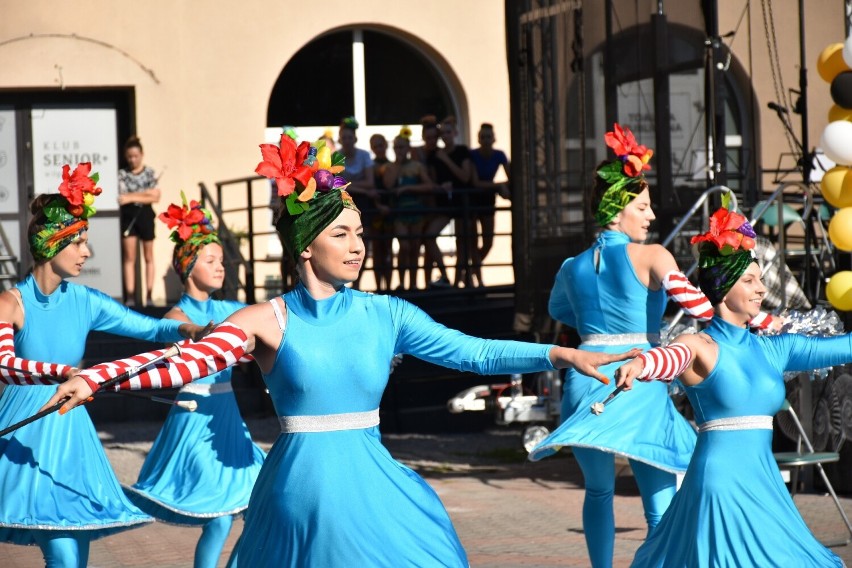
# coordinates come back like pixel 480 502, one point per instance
pixel 662 123
pixel 807 156
pixel 610 94
pixel 715 94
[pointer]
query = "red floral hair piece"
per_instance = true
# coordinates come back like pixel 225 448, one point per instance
pixel 188 219
pixel 634 155
pixel 79 189
pixel 729 231
pixel 285 164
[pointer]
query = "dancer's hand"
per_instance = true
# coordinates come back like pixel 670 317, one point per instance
pixel 587 362
pixel 627 373
pixel 74 391
pixel 195 332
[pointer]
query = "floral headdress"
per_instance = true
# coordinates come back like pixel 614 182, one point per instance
pixel 314 195
pixel 68 213
pixel 406 132
pixel 192 229
pixel 724 252
pixel 625 171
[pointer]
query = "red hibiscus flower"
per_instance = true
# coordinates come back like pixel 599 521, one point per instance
pixel 183 218
pixel 729 231
pixel 634 155
pixel 285 164
pixel 76 184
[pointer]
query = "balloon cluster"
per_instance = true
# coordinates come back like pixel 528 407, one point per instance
pixel 835 67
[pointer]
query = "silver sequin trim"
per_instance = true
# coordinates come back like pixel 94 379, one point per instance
pixel 737 423
pixel 620 338
pixel 206 388
pixel 329 422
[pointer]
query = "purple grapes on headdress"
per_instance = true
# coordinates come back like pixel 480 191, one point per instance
pixel 747 230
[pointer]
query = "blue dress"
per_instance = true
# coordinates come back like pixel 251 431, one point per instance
pixel 733 508
pixel 329 493
pixel 613 312
pixel 54 474
pixel 203 464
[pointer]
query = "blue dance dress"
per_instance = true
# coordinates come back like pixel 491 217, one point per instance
pixel 733 508
pixel 329 493
pixel 614 311
pixel 203 464
pixel 54 474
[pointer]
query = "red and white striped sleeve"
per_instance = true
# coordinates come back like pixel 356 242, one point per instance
pixel 761 321
pixel 17 371
pixel 688 296
pixel 664 363
pixel 220 349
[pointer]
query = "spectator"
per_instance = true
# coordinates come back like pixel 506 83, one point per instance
pixel 359 172
pixel 436 220
pixel 453 171
pixel 487 162
pixel 412 189
pixel 137 191
pixel 381 228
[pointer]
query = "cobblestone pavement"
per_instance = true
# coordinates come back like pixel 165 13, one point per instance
pixel 508 512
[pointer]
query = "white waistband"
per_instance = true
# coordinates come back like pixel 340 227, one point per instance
pixel 738 423
pixel 620 338
pixel 329 422
pixel 206 388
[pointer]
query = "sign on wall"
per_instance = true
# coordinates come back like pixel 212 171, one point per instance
pixel 71 136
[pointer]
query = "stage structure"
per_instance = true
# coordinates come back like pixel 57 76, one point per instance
pixel 576 67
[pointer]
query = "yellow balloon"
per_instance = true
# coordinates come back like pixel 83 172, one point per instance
pixel 840 229
pixel 836 187
pixel 831 63
pixel 839 113
pixel 839 290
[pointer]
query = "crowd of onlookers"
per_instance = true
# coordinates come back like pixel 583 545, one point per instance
pixel 415 196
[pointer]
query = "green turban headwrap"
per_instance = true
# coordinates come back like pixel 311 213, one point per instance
pixel 717 274
pixel 724 252
pixel 299 231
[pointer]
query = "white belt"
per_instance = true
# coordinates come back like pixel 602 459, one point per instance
pixel 737 423
pixel 206 388
pixel 329 422
pixel 620 338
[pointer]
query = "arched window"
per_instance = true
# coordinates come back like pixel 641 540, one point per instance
pixel 383 80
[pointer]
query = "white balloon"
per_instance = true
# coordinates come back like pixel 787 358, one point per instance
pixel 836 142
pixel 847 51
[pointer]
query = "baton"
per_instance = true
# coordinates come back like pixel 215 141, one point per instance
pixel 598 407
pixel 172 351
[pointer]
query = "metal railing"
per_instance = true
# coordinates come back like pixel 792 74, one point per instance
pixel 240 190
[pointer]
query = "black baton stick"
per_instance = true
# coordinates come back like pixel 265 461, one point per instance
pixel 172 351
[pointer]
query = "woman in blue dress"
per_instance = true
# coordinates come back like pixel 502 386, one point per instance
pixel 57 489
pixel 733 508
pixel 614 294
pixel 329 493
pixel 203 464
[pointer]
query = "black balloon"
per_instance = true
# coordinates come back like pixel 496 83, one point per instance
pixel 841 89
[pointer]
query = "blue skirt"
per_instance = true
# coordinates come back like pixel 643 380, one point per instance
pixel 202 465
pixel 339 499
pixel 54 474
pixel 640 424
pixel 733 510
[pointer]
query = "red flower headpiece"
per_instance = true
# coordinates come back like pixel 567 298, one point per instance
pixel 729 231
pixel 635 156
pixel 300 171
pixel 79 189
pixel 187 220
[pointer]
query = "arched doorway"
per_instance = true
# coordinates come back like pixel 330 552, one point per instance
pixel 382 77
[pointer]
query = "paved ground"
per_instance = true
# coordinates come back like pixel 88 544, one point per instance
pixel 508 512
